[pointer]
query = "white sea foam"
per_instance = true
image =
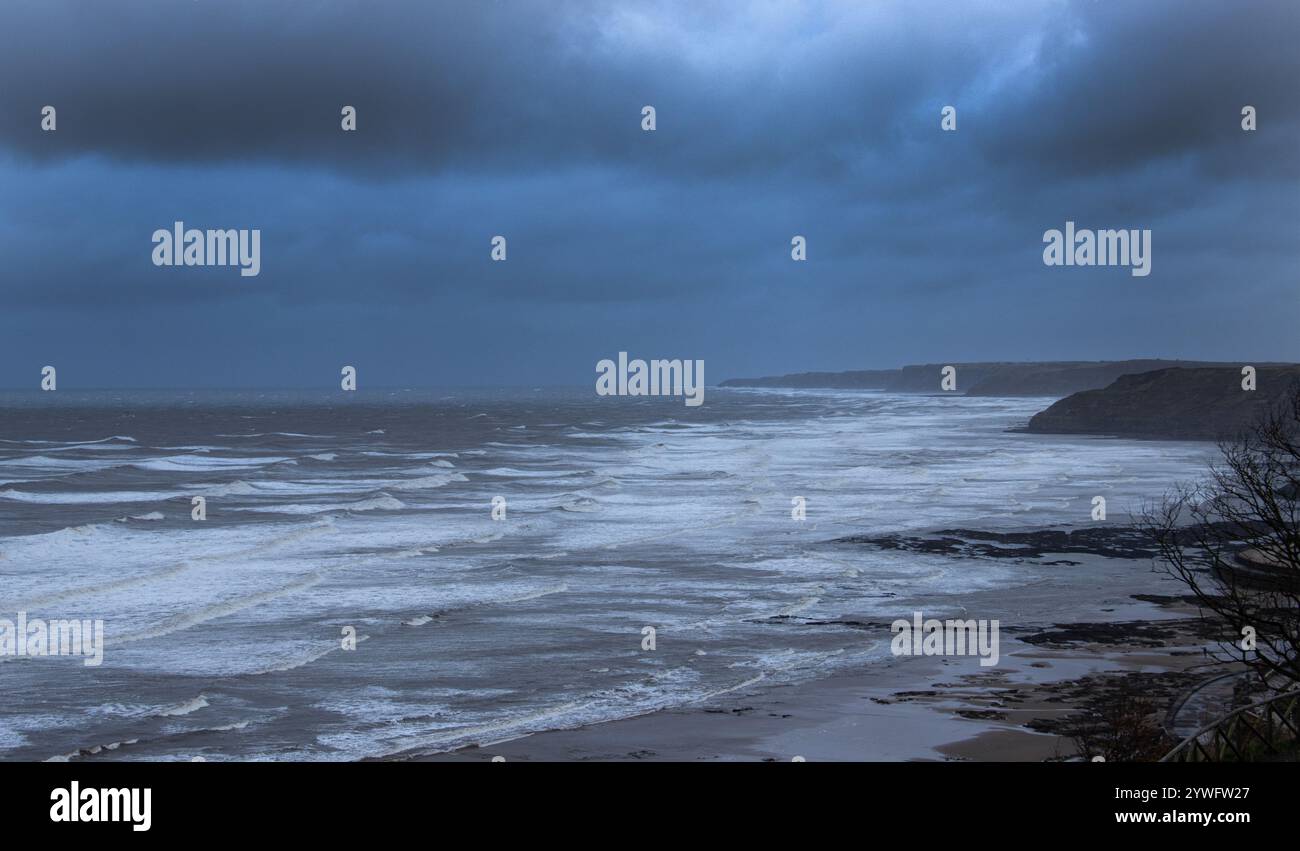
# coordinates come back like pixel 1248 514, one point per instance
pixel 74 465
pixel 437 480
pixel 185 708
pixel 116 437
pixel 381 502
pixel 87 497
pixel 294 663
pixel 200 463
pixel 282 434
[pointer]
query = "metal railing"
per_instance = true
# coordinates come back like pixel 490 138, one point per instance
pixel 1261 729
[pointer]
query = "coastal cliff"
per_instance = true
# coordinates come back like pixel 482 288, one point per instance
pixel 1173 400
pixel 1177 404
pixel 1041 378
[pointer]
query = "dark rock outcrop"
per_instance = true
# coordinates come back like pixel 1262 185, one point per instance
pixel 1111 541
pixel 1205 403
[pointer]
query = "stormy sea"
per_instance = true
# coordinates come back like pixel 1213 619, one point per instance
pixel 386 573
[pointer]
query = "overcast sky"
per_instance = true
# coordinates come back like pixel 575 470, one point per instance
pixel 524 119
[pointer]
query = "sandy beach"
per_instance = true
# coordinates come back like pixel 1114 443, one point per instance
pixel 1091 630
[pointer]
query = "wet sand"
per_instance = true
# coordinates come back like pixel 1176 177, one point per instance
pixel 1062 650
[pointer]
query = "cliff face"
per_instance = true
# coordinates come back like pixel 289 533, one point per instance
pixel 1064 379
pixel 1189 404
pixel 1051 378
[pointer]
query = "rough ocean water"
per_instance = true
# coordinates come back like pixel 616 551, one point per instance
pixel 374 510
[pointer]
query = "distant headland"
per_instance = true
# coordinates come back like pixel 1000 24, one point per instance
pixel 1165 399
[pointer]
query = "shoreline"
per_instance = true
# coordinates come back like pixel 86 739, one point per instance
pixel 1062 655
pixel 913 709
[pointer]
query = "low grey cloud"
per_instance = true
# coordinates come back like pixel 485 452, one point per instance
pixel 523 119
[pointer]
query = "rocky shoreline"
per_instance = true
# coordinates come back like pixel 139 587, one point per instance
pixel 1138 672
pixel 1106 541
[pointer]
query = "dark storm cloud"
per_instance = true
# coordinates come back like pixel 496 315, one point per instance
pixel 523 118
pixel 1119 85
pixel 741 88
pixel 437 85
